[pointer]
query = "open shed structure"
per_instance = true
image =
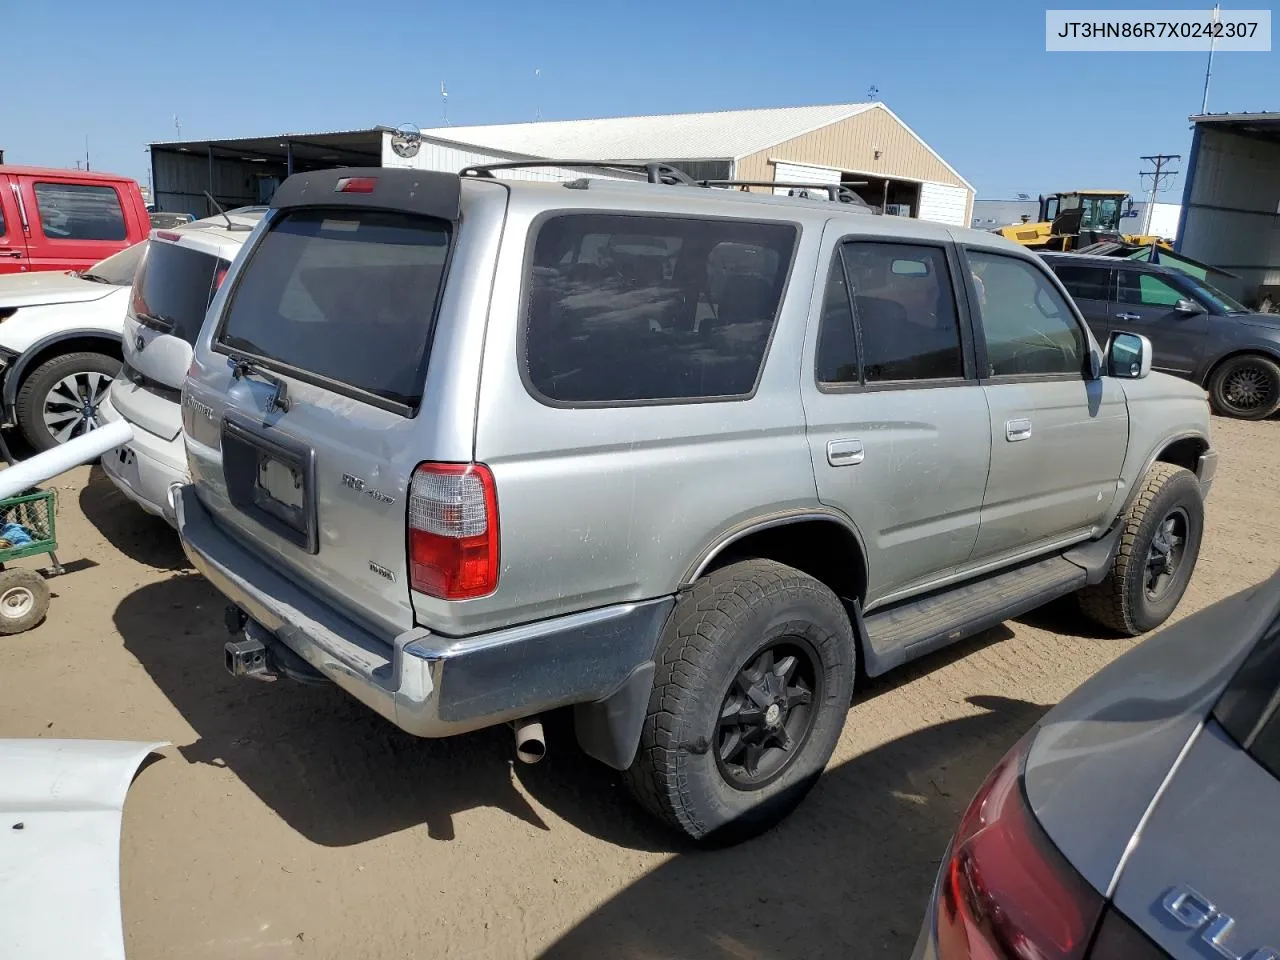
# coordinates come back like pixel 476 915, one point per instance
pixel 1231 200
pixel 864 145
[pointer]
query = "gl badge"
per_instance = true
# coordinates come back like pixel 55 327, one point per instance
pixel 1195 912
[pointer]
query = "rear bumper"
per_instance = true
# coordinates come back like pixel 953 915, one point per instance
pixel 426 684
pixel 146 467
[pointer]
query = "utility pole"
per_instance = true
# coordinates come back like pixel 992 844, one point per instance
pixel 537 93
pixel 86 152
pixel 1159 180
pixel 1208 70
pixel 177 124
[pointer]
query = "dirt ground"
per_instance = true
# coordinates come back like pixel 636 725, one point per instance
pixel 288 821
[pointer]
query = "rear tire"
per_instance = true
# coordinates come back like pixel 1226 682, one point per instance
pixel 59 400
pixel 24 600
pixel 1159 545
pixel 755 673
pixel 1247 387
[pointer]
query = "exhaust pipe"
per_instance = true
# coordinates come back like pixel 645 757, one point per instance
pixel 531 745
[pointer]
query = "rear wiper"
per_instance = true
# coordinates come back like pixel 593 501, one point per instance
pixel 156 321
pixel 242 368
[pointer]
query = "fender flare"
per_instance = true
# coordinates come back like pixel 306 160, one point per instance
pixel 727 538
pixel 1163 444
pixel 13 376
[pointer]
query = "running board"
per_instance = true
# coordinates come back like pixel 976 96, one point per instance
pixel 907 630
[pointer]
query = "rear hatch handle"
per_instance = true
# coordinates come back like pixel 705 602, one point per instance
pixel 242 368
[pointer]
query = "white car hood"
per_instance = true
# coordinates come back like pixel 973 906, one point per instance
pixel 61 803
pixel 49 286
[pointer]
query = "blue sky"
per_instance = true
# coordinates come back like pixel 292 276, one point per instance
pixel 973 80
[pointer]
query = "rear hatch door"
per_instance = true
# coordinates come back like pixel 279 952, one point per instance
pixel 301 409
pixel 167 305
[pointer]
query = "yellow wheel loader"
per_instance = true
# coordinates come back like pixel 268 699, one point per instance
pixel 1076 219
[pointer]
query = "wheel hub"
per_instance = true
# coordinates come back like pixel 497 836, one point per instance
pixel 1248 388
pixel 767 713
pixel 1165 554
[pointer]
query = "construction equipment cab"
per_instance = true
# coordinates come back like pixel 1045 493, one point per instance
pixel 1071 220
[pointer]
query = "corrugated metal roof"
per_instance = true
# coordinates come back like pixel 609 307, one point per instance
pixel 728 134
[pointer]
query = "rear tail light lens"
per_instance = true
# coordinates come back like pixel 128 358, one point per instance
pixel 1007 892
pixel 453 531
pixel 219 277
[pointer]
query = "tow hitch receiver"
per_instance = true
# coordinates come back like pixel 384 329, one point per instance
pixel 247 658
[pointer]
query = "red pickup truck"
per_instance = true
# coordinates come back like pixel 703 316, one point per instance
pixel 66 219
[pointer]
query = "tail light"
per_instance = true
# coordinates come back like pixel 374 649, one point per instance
pixel 453 531
pixel 218 277
pixel 356 185
pixel 1007 892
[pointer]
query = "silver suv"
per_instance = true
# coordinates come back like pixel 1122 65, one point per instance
pixel 688 460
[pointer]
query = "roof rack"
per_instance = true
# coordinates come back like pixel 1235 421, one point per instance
pixel 837 192
pixel 655 170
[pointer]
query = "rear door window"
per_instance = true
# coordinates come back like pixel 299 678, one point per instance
pixel 173 287
pixel 79 211
pixel 345 296
pixel 623 309
pixel 1085 283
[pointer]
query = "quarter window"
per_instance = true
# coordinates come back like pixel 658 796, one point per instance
pixel 622 309
pixel 837 358
pixel 76 211
pixel 1029 327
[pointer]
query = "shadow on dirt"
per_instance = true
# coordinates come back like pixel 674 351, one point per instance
pixel 847 875
pixel 140 536
pixel 339 774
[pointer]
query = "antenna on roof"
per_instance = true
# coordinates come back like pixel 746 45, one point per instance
pixel 444 102
pixel 537 98
pixel 231 224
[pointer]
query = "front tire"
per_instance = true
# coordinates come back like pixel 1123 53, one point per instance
pixel 755 673
pixel 1159 545
pixel 59 400
pixel 1247 387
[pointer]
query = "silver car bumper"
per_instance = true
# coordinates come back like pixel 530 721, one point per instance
pixel 426 684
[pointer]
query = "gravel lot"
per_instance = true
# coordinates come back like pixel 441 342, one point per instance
pixel 288 821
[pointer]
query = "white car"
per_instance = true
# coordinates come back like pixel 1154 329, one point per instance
pixel 60 346
pixel 182 270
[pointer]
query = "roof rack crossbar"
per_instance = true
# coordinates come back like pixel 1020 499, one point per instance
pixel 838 192
pixel 655 171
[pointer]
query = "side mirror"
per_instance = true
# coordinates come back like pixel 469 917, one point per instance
pixel 1129 356
pixel 1188 306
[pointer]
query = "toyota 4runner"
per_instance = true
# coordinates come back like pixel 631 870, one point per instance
pixel 687 460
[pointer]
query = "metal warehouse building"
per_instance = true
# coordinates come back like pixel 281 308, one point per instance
pixel 862 144
pixel 1231 200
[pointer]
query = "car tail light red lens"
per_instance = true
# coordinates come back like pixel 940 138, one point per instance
pixel 356 185
pixel 219 277
pixel 453 531
pixel 167 235
pixel 1006 891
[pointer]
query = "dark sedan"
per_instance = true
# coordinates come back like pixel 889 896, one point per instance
pixel 1197 331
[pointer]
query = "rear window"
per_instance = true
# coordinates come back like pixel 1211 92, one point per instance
pixel 173 287
pixel 1249 709
pixel 347 296
pixel 76 211
pixel 623 309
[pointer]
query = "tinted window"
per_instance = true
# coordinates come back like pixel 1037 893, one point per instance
pixel 75 211
pixel 173 287
pixel 1084 283
pixel 1029 327
pixel 837 359
pixel 1148 289
pixel 346 295
pixel 652 308
pixel 905 310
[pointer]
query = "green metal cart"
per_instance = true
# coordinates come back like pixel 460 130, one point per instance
pixel 24 593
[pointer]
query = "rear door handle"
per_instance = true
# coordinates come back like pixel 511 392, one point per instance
pixel 1128 316
pixel 844 453
pixel 1015 430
